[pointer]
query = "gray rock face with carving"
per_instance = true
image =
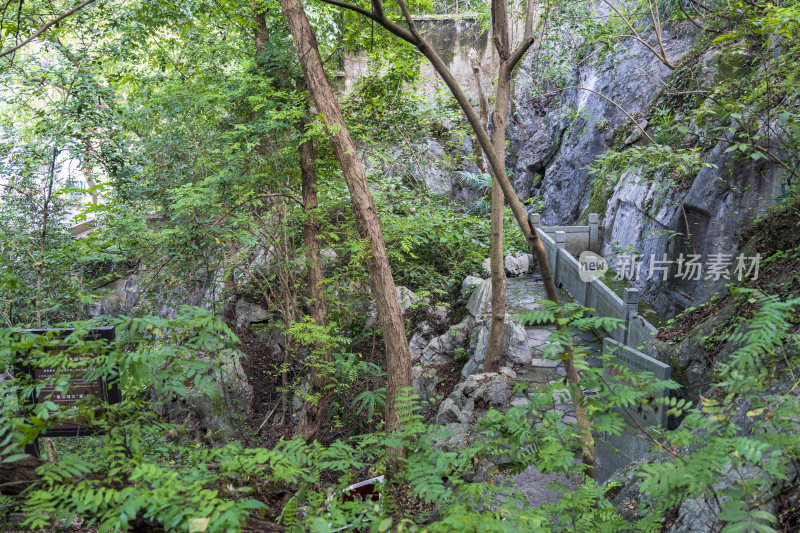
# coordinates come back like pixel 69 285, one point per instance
pixel 554 139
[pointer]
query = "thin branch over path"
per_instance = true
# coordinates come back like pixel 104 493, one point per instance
pixel 46 27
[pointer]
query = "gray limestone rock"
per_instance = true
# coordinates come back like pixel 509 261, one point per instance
pixel 517 264
pixel 438 351
pixel 557 140
pixel 121 296
pixel 416 345
pixel 407 301
pixel 424 383
pixel 637 132
pixel 516 351
pixel 481 300
pixel 469 284
pixel 443 348
pixel 217 410
pixel 247 313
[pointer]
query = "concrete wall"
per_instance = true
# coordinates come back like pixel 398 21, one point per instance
pixel 615 451
pixel 594 294
pixel 578 238
pixel 640 331
pixel 455 37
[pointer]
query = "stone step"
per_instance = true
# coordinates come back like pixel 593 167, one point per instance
pixel 545 363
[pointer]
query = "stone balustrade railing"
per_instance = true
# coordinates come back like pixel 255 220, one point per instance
pixel 562 243
pixel 577 238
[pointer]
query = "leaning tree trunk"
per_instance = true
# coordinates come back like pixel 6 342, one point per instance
pixel 314 412
pixel 398 360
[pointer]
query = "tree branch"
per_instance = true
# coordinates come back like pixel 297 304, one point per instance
pixel 663 58
pixel 412 27
pixel 379 17
pixel 46 27
pixel 520 52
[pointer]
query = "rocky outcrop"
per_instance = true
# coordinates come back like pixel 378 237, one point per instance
pixel 247 313
pixel 407 299
pixel 720 201
pixel 469 285
pixel 424 382
pixel 700 513
pixel 556 139
pixel 553 140
pixel 481 300
pixel 516 351
pixel 477 392
pixel 119 298
pixel 217 409
pixel 441 349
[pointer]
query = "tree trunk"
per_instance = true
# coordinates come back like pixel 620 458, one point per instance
pixel 261 35
pixel 497 160
pixel 398 361
pixel 314 412
pixel 494 350
pixel 87 170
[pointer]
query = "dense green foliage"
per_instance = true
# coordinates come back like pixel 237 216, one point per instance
pixel 175 131
pixel 123 473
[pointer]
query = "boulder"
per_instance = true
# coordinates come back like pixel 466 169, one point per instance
pixel 636 132
pixel 457 436
pixel 424 381
pixel 483 390
pixel 119 298
pixel 438 351
pixel 517 264
pixel 516 351
pixel 438 315
pixel 406 297
pixel 218 409
pixel 479 391
pixel 481 300
pixel 469 285
pixel 329 259
pixel 247 313
pixel 457 411
pixel 441 349
pixel 450 412
pixel 407 301
pixel 416 345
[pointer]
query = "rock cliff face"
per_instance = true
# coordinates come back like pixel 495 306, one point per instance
pixel 554 138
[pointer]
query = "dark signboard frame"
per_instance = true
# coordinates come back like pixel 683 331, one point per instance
pixel 110 389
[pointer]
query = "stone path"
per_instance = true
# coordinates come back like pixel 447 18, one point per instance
pixel 524 295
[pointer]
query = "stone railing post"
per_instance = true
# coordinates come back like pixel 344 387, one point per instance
pixel 561 239
pixel 594 232
pixel 631 303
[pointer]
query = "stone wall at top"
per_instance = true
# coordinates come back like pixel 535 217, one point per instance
pixel 455 37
